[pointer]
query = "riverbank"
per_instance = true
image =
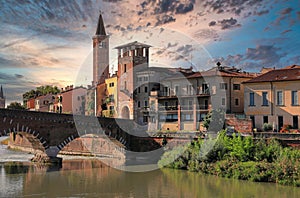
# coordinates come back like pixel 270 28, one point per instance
pixel 238 157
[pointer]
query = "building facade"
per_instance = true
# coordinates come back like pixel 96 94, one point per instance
pixel 45 103
pixel 73 100
pixel 273 98
pixel 184 100
pixel 132 58
pixel 111 100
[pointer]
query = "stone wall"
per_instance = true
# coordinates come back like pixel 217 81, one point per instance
pixel 240 125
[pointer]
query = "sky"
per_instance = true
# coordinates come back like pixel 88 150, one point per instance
pixel 50 42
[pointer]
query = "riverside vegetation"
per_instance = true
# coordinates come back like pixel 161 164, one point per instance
pixel 238 157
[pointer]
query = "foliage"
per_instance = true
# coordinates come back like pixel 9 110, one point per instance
pixel 267 127
pixel 39 91
pixel 238 157
pixel 15 106
pixel 214 120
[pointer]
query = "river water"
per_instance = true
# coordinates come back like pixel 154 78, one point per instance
pixel 91 178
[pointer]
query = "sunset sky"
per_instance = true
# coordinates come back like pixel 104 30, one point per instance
pixel 50 42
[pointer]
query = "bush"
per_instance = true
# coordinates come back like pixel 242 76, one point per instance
pixel 267 127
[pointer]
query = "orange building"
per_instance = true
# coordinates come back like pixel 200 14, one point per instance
pixel 273 98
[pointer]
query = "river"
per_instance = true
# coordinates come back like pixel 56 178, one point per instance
pixel 91 178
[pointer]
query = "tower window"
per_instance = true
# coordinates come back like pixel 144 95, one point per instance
pixel 102 44
pixel 125 68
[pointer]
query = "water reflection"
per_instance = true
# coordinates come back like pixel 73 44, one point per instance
pixel 91 178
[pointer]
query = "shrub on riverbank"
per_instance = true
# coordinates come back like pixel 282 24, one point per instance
pixel 238 157
pixel 5 142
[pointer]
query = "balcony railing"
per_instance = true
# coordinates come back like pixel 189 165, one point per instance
pixel 168 108
pixel 184 107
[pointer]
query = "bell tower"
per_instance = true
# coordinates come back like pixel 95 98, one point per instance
pixel 2 98
pixel 100 53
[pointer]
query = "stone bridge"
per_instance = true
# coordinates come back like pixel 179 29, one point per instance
pixel 54 131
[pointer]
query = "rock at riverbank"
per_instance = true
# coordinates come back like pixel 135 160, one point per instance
pixel 45 159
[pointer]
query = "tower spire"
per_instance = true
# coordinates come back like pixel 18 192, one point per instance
pixel 1 93
pixel 100 27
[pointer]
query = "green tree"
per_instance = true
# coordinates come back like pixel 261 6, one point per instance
pixel 16 106
pixel 39 91
pixel 214 120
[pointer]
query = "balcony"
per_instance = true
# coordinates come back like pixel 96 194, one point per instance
pixel 168 108
pixel 198 107
pixel 205 92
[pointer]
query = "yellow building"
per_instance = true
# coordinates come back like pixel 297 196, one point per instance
pixel 111 100
pixel 273 98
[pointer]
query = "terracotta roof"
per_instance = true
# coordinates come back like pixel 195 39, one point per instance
pixel 225 72
pixel 135 44
pixel 286 74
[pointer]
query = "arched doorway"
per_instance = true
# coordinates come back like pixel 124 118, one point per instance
pixel 125 112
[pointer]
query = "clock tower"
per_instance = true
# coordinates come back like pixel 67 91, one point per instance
pixel 100 54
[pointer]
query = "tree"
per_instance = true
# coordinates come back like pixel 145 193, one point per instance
pixel 214 120
pixel 16 106
pixel 40 91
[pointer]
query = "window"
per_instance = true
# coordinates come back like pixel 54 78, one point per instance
pixel 280 122
pixel 102 44
pixel 176 90
pixel 265 99
pixel 251 99
pixel 223 101
pixel 140 79
pixel 111 108
pixel 145 119
pixel 236 102
pixel 145 78
pixel 139 90
pixel 294 98
pixel 253 121
pixel 146 89
pixel 190 104
pixel 146 103
pixel 166 104
pixel 236 86
pixel 125 68
pixel 125 85
pixel 139 104
pixel 223 86
pixel 279 98
pixel 265 119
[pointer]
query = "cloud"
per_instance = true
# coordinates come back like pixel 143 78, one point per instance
pixel 212 23
pixel 286 11
pixel 206 34
pixel 265 54
pixel 112 1
pixel 286 31
pixel 185 50
pixel 255 58
pixel 283 14
pixel 184 8
pixel 260 13
pixel 235 7
pixel 19 76
pixel 164 19
pixel 228 23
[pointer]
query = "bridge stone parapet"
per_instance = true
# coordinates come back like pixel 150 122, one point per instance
pixel 55 131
